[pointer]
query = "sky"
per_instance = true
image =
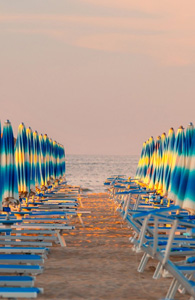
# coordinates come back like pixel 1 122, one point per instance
pixel 98 76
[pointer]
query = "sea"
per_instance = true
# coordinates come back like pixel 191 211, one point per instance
pixel 90 171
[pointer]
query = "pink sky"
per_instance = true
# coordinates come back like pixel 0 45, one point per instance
pixel 98 76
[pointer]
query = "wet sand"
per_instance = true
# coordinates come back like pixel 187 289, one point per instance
pixel 98 262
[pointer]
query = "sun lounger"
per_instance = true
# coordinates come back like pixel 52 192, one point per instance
pixel 25 250
pixel 28 238
pixel 16 281
pixel 21 259
pixel 25 243
pixel 19 292
pixel 21 269
pixel 56 228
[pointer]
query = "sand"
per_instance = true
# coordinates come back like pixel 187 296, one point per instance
pixel 98 262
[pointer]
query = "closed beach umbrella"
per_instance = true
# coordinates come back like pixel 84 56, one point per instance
pixel 63 163
pixel 30 143
pixel 162 156
pixel 151 164
pixel 146 160
pixel 186 171
pixel 168 161
pixel 42 155
pixel 178 164
pixel 156 163
pixel 37 160
pixel 9 181
pixel 51 160
pixel 46 157
pixel 149 154
pixel 57 172
pixel 189 198
pixel 22 162
pixel 62 160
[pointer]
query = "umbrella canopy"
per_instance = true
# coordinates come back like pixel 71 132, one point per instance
pixel 178 163
pixel 151 164
pixel 30 143
pixel 9 180
pixel 149 161
pixel 46 158
pixel 62 160
pixel 43 168
pixel 146 160
pixel 37 160
pixel 57 171
pixel 162 156
pixel 186 171
pixel 156 163
pixel 51 160
pixel 189 198
pixel 168 161
pixel 22 162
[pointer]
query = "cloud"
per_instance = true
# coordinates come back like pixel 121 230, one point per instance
pixel 163 49
pixel 168 40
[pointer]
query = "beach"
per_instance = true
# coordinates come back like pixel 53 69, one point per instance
pixel 98 262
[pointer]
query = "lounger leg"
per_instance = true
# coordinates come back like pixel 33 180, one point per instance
pixel 80 219
pixel 126 208
pixel 61 238
pixel 181 289
pixel 167 251
pixel 172 289
pixel 158 271
pixel 137 202
pixel 143 262
pixel 142 232
pixel 124 204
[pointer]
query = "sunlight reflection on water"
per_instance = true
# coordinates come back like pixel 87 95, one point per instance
pixel 90 171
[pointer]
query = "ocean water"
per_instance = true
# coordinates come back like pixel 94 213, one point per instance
pixel 90 171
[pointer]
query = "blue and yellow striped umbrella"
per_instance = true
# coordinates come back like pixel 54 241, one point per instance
pixel 151 162
pixel 168 161
pixel 178 164
pixel 156 163
pixel 22 162
pixel 57 172
pixel 42 155
pixel 161 170
pixel 46 145
pixel 146 161
pixel 150 145
pixel 62 160
pixel 63 163
pixel 37 160
pixel 51 160
pixel 189 198
pixel 9 180
pixel 30 142
pixel 186 171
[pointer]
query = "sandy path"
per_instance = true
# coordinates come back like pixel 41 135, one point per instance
pixel 98 262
